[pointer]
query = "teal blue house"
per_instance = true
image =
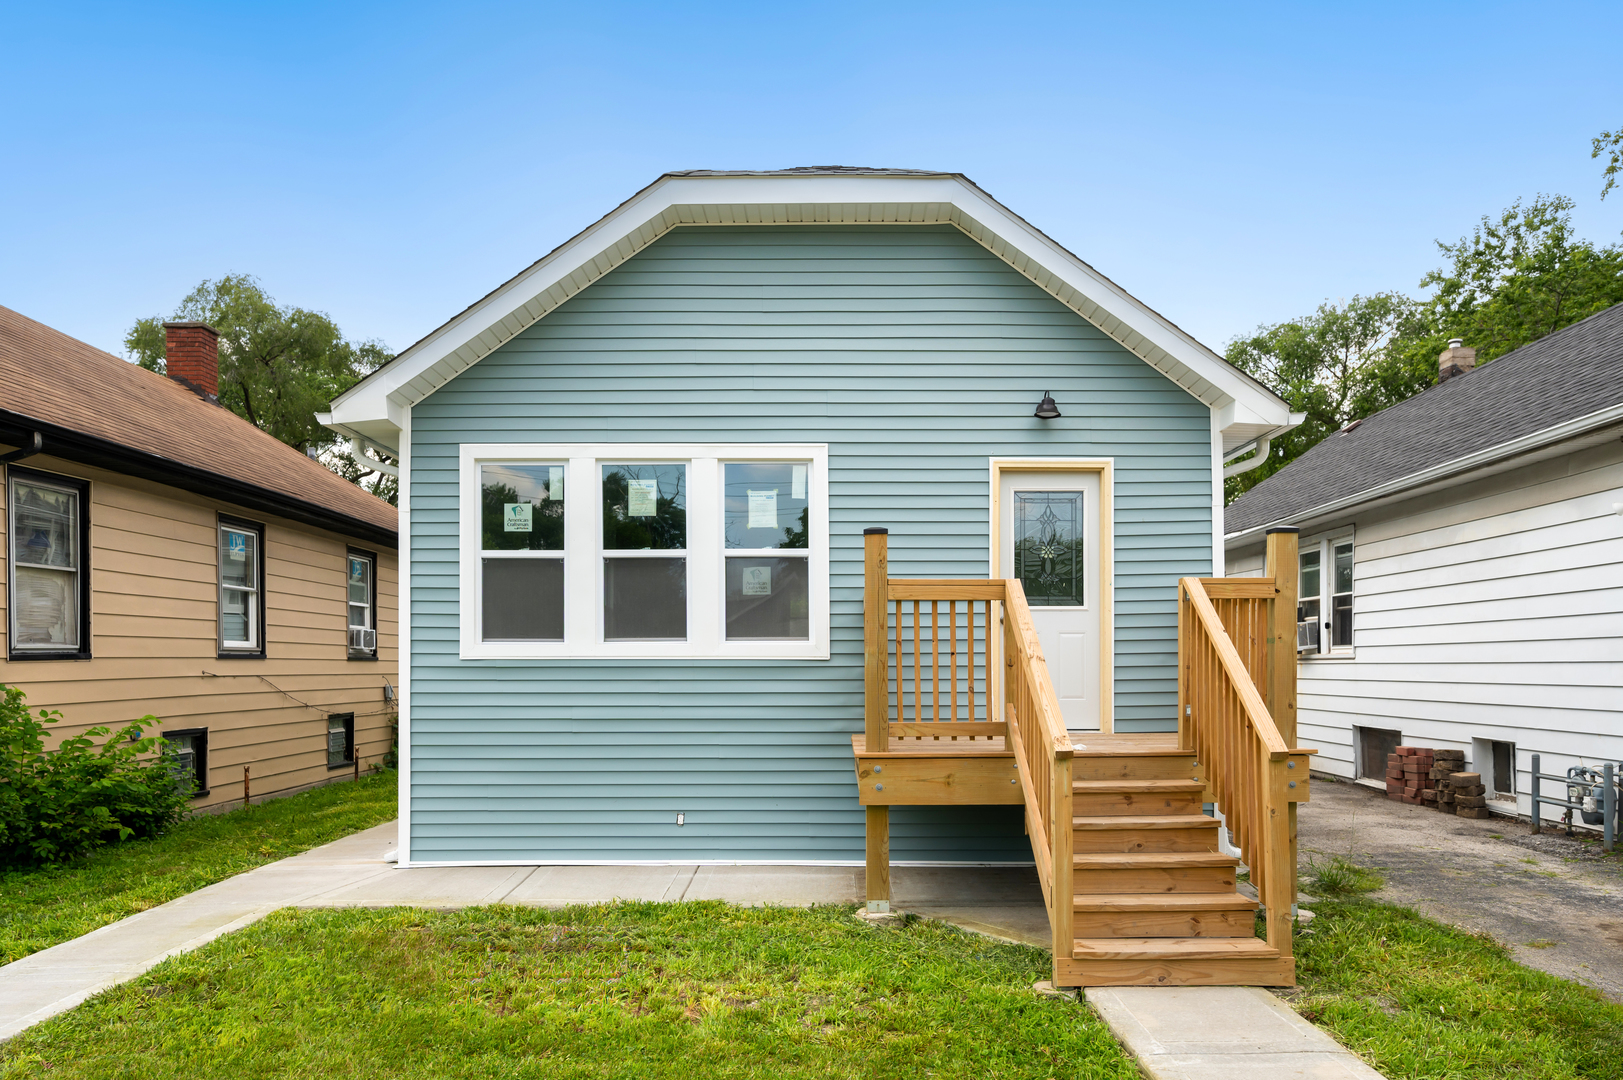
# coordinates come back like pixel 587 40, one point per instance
pixel 634 482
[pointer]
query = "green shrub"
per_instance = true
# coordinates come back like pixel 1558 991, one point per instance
pixel 58 805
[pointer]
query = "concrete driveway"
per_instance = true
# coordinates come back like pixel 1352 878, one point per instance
pixel 1557 903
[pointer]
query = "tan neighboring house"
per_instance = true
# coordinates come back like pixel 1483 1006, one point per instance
pixel 165 556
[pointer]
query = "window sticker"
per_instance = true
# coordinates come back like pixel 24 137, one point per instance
pixel 643 495
pixel 555 483
pixel 357 571
pixel 764 509
pixel 757 579
pixel 517 517
pixel 236 546
pixel 798 483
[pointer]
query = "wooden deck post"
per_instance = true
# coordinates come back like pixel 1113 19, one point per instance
pixel 876 701
pixel 1281 564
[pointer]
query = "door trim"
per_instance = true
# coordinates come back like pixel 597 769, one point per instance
pixel 1105 467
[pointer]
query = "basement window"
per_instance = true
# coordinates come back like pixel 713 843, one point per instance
pixel 191 747
pixel 340 740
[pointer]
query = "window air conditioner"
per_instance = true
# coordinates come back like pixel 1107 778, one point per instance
pixel 1307 636
pixel 362 639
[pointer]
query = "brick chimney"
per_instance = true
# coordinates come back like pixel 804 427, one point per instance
pixel 1454 360
pixel 192 357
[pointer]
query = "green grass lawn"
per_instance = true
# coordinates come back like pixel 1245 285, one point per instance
pixel 1424 1001
pixel 41 908
pixel 690 991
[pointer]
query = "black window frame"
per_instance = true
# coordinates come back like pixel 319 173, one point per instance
pixel 361 654
pixel 82 487
pixel 349 740
pixel 200 755
pixel 258 651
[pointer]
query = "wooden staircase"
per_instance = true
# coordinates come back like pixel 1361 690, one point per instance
pixel 1137 889
pixel 1155 900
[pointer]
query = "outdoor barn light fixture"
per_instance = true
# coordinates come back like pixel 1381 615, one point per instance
pixel 1047 410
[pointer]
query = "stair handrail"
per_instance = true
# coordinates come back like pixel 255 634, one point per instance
pixel 1043 753
pixel 1246 761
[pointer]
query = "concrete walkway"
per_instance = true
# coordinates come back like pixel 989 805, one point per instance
pixel 351 872
pixel 1221 1033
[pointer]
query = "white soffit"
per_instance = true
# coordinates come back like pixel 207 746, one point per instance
pixel 806 198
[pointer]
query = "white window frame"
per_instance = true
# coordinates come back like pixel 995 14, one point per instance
pixel 253 646
pixel 583 550
pixel 80 490
pixel 1326 547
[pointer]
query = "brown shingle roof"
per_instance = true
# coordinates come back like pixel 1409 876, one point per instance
pixel 61 382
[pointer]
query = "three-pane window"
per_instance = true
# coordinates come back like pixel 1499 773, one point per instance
pixel 715 551
pixel 241 587
pixel 47 565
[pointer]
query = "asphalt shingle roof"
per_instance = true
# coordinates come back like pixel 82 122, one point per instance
pixel 1566 375
pixel 48 376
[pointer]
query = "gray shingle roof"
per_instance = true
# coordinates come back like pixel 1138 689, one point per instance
pixel 1563 376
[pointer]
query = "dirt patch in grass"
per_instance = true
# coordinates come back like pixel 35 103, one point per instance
pixel 682 991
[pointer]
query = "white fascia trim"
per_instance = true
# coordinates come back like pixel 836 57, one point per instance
pixel 787 200
pixel 1449 469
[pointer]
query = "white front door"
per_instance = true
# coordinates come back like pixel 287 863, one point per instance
pixel 1048 538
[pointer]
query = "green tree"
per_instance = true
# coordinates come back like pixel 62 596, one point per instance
pixel 1611 143
pixel 1512 281
pixel 1336 365
pixel 279 366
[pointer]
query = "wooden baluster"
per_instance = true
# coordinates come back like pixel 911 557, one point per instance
pixel 935 660
pixel 918 682
pixel 952 654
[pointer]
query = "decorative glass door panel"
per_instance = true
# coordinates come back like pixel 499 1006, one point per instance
pixel 1050 548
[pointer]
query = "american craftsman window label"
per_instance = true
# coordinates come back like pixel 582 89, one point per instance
pixel 758 579
pixel 764 509
pixel 517 517
pixel 643 498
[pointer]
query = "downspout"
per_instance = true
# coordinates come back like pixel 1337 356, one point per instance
pixel 1264 447
pixel 35 445
pixel 357 454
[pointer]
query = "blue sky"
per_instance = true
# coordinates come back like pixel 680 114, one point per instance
pixel 1230 165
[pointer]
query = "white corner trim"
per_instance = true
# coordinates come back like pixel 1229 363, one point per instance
pixel 403 622
pixel 676 200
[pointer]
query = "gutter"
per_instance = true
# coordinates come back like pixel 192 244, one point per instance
pixel 85 449
pixel 1535 440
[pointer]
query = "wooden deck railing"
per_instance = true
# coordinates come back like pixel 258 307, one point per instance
pixel 1236 658
pixel 942 639
pixel 1043 752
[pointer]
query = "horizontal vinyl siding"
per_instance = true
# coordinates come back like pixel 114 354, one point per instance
pixel 154 607
pixel 1491 612
pixel 915 355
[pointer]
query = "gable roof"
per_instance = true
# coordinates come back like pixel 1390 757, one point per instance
pixel 1560 385
pixel 95 408
pixel 374 410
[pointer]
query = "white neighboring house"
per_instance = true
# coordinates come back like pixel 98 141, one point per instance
pixel 1462 567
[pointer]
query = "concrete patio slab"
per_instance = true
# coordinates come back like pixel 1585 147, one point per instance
pixel 786 886
pixel 557 886
pixel 1221 1032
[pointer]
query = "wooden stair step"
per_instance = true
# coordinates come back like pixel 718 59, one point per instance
pixel 1163 902
pixel 1174 949
pixel 1137 787
pixel 1151 860
pixel 1161 821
